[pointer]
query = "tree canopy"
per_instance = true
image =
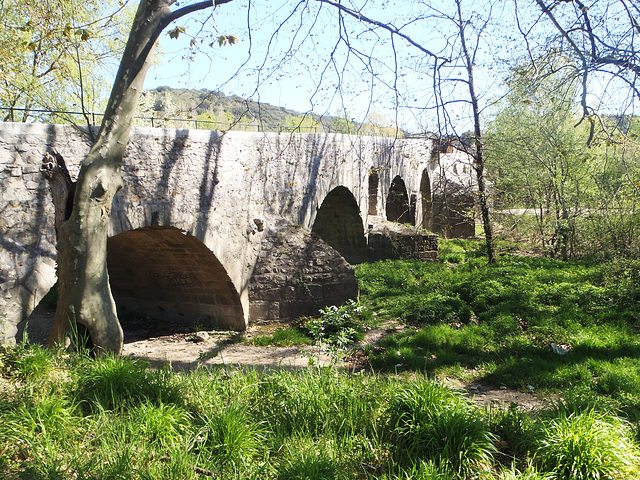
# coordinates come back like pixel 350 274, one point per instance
pixel 58 55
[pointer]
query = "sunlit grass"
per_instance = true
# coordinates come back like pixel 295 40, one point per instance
pixel 283 337
pixel 69 416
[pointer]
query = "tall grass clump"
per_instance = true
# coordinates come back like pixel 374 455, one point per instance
pixel 230 438
pixel 305 458
pixel 116 382
pixel 588 446
pixel 427 421
pixel 319 401
pixel 420 470
pixel 35 364
pixel 514 427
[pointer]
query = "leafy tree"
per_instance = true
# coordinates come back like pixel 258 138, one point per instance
pixel 55 55
pixel 378 124
pixel 301 123
pixel 539 156
pixel 343 122
pixel 583 198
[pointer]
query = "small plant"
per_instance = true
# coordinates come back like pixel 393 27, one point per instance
pixel 337 326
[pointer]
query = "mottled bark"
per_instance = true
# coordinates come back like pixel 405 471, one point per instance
pixel 84 296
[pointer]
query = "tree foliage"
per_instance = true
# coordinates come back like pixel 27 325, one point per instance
pixel 57 55
pixel 582 198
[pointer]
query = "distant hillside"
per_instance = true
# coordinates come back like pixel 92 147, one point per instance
pixel 162 106
pixel 165 103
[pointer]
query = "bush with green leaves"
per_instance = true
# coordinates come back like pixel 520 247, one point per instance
pixel 337 326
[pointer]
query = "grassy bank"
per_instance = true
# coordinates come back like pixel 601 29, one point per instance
pixel 528 323
pixel 69 416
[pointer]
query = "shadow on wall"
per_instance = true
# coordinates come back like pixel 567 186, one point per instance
pixel 162 273
pixel 339 223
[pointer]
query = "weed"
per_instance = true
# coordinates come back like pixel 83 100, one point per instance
pixel 337 326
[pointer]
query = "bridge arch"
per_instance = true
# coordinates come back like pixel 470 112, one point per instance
pixel 338 223
pixel 374 183
pixel 162 273
pixel 399 207
pixel 426 201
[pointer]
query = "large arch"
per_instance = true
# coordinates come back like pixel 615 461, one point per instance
pixel 398 205
pixel 427 203
pixel 339 223
pixel 166 275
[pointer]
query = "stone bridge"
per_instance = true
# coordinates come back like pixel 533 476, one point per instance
pixel 229 228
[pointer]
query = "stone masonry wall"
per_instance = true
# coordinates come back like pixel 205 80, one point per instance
pixel 207 185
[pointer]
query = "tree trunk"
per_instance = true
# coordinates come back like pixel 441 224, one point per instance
pixel 478 153
pixel 84 296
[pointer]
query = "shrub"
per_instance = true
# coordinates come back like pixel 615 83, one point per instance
pixel 588 445
pixel 338 326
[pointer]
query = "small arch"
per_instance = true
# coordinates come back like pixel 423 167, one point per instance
pixel 427 202
pixel 374 183
pixel 398 205
pixel 165 275
pixel 339 224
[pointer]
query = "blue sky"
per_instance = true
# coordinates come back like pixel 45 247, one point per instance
pixel 294 54
pixel 294 60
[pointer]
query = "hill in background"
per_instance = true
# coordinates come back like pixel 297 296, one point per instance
pixel 206 109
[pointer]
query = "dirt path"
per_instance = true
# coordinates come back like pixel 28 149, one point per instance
pixel 185 350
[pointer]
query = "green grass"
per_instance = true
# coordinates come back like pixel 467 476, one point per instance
pixel 84 419
pixel 70 416
pixel 496 323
